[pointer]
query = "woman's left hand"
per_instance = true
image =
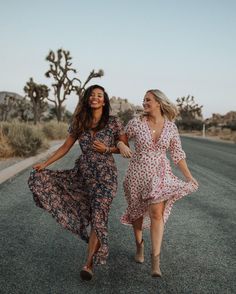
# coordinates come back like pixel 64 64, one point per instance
pixel 192 179
pixel 99 146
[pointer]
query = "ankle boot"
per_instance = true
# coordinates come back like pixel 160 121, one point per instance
pixel 156 272
pixel 86 273
pixel 139 256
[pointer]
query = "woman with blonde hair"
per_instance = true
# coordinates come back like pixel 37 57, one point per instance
pixel 150 186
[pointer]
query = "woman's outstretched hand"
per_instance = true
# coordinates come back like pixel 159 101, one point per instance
pixel 192 179
pixel 125 151
pixel 39 166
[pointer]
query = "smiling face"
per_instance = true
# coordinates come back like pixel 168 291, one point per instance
pixel 96 99
pixel 150 104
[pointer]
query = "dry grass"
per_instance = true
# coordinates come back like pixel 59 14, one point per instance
pixel 5 148
pixel 54 130
pixel 20 139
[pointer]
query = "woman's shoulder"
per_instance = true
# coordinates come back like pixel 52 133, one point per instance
pixel 136 120
pixel 172 125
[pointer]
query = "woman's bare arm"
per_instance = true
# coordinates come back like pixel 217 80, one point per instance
pixel 182 164
pixel 59 153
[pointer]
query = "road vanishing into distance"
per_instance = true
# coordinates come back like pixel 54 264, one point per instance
pixel 199 247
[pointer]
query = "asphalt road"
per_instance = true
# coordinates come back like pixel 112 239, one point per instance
pixel 199 250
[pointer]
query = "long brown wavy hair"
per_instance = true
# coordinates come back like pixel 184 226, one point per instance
pixel 82 118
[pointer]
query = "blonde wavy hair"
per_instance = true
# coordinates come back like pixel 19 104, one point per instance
pixel 168 108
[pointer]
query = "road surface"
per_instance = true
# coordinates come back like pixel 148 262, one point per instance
pixel 198 256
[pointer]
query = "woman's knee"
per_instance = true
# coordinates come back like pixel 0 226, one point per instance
pixel 156 216
pixel 156 212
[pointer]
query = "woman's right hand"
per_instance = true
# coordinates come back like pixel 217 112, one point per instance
pixel 39 166
pixel 125 151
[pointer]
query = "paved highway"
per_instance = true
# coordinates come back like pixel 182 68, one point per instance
pixel 198 256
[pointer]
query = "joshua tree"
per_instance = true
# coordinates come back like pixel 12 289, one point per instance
pixel 81 87
pixel 24 109
pixel 37 93
pixel 6 107
pixel 60 68
pixel 190 113
pixel 188 108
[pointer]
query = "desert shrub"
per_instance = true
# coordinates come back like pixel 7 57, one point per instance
pixel 54 130
pixel 189 124
pixel 225 134
pixel 23 139
pixel 213 131
pixel 232 125
pixel 5 149
pixel 226 131
pixel 234 137
pixel 126 116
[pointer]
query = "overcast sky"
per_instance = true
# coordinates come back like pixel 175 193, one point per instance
pixel 178 46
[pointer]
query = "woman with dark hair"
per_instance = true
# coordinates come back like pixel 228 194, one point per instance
pixel 80 198
pixel 150 186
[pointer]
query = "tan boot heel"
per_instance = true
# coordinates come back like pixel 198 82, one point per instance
pixel 156 272
pixel 139 256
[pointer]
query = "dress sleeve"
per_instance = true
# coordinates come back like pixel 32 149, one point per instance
pixel 70 131
pixel 130 128
pixel 118 129
pixel 176 151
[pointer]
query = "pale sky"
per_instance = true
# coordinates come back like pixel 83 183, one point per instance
pixel 178 46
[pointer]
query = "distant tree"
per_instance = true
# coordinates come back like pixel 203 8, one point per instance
pixel 190 113
pixel 37 94
pixel 24 109
pixel 6 107
pixel 60 68
pixel 81 87
pixel 126 115
pixel 231 125
pixel 188 108
pixel 66 114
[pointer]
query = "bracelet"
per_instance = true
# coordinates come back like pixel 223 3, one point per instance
pixel 107 150
pixel 120 142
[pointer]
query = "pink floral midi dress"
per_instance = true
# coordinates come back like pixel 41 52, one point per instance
pixel 149 178
pixel 81 197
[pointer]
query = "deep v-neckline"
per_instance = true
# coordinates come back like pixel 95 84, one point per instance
pixel 157 140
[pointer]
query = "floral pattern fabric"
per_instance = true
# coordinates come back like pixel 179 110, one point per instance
pixel 149 178
pixel 80 198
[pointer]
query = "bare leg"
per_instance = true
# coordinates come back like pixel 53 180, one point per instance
pixel 138 231
pixel 157 226
pixel 93 247
pixel 157 229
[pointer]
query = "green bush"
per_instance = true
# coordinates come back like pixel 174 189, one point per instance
pixel 23 139
pixel 232 125
pixel 54 130
pixel 189 124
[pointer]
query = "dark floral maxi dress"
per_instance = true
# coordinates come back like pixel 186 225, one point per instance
pixel 80 198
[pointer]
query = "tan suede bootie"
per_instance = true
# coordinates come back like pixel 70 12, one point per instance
pixel 156 272
pixel 139 256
